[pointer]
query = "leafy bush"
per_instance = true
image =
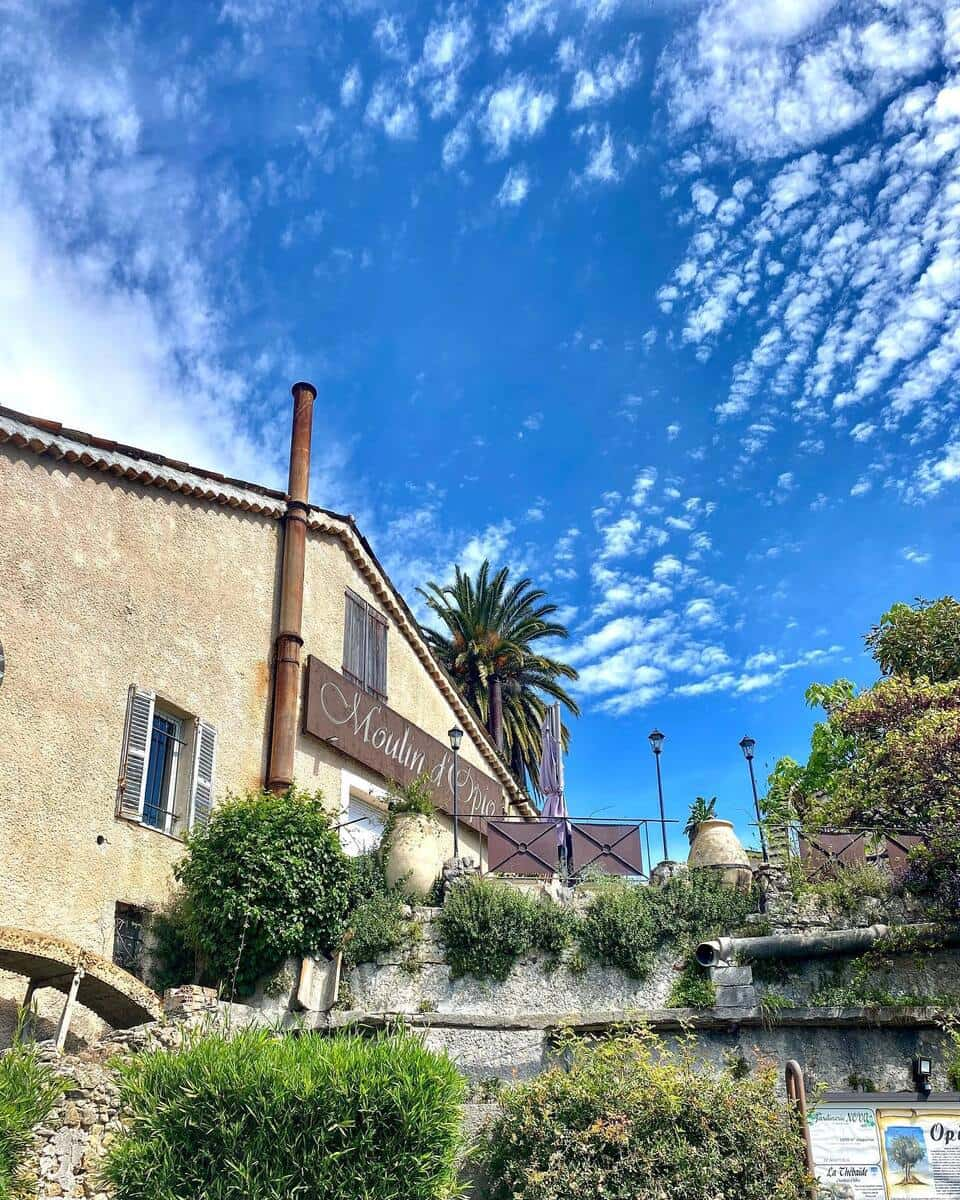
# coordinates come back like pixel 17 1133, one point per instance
pixel 619 929
pixel 555 927
pixel 28 1091
pixel 846 889
pixel 414 797
pixel 173 956
pixel 487 926
pixel 934 872
pixel 266 878
pixel 344 1118
pixel 625 924
pixel 629 1120
pixel 377 925
pixel 693 988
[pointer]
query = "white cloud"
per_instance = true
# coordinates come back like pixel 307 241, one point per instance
pixel 673 431
pixel 605 163
pixel 515 187
pixel 912 555
pixel 391 108
pixel 642 486
pixel 516 110
pixel 351 86
pixel 775 78
pixel 110 258
pixel 390 37
pixel 520 19
pixel 490 545
pixel 608 77
pixel 456 144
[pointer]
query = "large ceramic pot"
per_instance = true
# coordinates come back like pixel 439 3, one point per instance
pixel 415 855
pixel 718 848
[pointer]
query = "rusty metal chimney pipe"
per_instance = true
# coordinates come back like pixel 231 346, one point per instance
pixel 289 640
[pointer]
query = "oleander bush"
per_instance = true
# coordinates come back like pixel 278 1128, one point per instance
pixel 28 1092
pixel 261 1117
pixel 264 879
pixel 629 1121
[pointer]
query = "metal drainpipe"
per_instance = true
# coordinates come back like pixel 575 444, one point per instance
pixel 286 671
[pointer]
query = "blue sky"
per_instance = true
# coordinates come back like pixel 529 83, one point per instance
pixel 656 302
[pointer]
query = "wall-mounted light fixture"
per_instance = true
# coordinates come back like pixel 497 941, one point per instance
pixel 922 1070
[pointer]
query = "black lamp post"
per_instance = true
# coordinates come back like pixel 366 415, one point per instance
pixel 456 736
pixel 747 745
pixel 656 745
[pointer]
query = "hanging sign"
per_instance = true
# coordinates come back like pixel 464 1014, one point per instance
pixel 360 726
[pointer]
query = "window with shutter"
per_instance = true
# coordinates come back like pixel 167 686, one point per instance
pixel 365 646
pixel 204 764
pixel 137 733
pixel 355 639
pixel 377 654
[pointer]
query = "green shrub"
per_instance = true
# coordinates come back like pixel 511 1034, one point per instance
pixel 555 927
pixel 619 929
pixel 486 926
pixel 173 957
pixel 265 1118
pixel 266 878
pixel 414 797
pixel 377 925
pixel 28 1091
pixel 625 923
pixel 631 1121
pixel 693 988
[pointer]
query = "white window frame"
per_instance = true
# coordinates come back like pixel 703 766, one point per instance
pixel 178 803
pixel 356 786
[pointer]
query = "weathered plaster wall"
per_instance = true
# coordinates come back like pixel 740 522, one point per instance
pixel 106 584
pixel 419 980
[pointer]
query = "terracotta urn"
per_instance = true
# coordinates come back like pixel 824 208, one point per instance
pixel 718 848
pixel 416 853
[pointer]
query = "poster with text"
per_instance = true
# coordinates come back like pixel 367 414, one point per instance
pixel 846 1154
pixel 921 1153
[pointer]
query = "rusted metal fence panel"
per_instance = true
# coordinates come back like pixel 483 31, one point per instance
pixel 823 855
pixel 530 847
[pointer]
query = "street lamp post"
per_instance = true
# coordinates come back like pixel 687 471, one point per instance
pixel 456 736
pixel 748 745
pixel 656 745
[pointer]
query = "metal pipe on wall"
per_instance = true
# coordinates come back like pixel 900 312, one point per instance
pixel 289 639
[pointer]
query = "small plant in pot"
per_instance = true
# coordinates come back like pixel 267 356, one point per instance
pixel 414 843
pixel 700 810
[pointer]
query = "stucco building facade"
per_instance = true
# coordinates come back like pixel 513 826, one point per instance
pixel 139 609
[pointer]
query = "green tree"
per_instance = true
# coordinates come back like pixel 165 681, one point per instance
pixel 792 786
pixel 906 1152
pixel 903 769
pixel 490 630
pixel 919 640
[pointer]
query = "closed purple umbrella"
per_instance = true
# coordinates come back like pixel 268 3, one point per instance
pixel 551 783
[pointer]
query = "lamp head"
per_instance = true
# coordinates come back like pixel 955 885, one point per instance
pixel 747 745
pixel 656 739
pixel 456 737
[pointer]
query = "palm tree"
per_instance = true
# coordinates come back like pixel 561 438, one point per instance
pixel 487 643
